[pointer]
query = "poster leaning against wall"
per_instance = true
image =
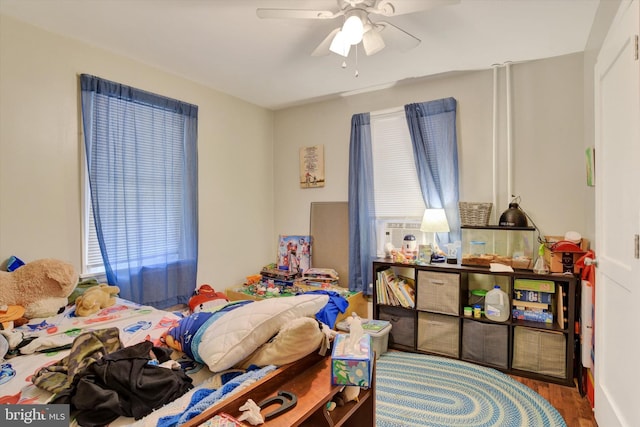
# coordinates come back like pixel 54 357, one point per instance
pixel 294 253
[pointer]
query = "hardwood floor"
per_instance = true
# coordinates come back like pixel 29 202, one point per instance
pixel 575 409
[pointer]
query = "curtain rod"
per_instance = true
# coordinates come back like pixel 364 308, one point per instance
pixel 387 111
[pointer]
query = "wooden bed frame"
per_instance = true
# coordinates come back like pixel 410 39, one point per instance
pixel 310 380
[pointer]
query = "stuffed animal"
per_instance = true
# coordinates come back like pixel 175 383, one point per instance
pixel 96 298
pixel 205 298
pixel 40 286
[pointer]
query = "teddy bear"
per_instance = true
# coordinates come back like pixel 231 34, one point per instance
pixel 96 298
pixel 41 287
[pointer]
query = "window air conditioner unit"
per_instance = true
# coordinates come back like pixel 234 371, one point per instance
pixel 394 232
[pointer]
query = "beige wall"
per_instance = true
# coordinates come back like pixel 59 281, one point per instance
pixel 40 155
pixel 601 23
pixel 547 135
pixel 248 156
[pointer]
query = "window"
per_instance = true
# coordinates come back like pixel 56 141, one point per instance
pixel 399 203
pixel 431 126
pixel 141 197
pixel 158 189
pixel 92 257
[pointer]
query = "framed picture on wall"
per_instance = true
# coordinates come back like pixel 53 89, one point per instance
pixel 312 166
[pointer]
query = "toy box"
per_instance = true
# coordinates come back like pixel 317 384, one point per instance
pixel 532 315
pixel 294 253
pixel 351 369
pixel 535 285
pixel 532 296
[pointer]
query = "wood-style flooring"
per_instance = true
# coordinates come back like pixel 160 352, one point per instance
pixel 575 409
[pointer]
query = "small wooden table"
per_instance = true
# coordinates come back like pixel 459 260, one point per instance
pixel 310 380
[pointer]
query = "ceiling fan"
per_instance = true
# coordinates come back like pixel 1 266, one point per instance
pixel 358 27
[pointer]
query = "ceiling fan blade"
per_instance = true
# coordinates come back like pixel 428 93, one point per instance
pixel 323 47
pixel 297 13
pixel 396 37
pixel 403 7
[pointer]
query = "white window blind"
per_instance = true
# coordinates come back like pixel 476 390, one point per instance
pixel 397 190
pixel 157 190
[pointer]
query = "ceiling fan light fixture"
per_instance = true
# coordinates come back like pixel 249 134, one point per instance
pixel 372 41
pixel 340 45
pixel 353 29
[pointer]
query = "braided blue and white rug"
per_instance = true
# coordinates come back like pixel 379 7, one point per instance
pixel 421 390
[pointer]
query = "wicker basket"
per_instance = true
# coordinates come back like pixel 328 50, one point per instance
pixel 475 214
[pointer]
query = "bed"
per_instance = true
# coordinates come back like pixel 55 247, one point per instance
pixel 228 352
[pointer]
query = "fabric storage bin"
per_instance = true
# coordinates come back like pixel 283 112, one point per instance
pixel 539 351
pixel 438 292
pixel 485 343
pixel 438 333
pixel 402 325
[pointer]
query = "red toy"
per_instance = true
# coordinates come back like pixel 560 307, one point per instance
pixel 205 298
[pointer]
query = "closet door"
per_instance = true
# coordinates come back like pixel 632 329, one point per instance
pixel 617 132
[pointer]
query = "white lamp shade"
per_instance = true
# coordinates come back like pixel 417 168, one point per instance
pixel 372 41
pixel 339 45
pixel 434 221
pixel 352 29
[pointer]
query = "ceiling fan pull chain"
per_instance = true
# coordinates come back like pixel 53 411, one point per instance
pixel 356 73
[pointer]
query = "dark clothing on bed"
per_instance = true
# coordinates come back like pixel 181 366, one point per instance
pixel 85 350
pixel 123 383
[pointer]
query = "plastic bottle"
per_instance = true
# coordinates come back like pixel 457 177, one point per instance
pixel 496 305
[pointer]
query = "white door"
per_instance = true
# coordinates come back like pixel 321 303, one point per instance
pixel 617 127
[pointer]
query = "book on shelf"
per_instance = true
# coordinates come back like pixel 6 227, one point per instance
pixel 400 296
pixel 408 280
pixel 532 296
pixel 386 277
pixel 381 290
pixel 532 305
pixel 534 285
pixel 408 292
pixel 392 290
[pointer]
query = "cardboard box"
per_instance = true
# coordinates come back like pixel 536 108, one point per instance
pixel 534 285
pixel 352 369
pixel 560 262
pixel 532 316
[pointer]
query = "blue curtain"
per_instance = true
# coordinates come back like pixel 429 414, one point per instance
pixel 432 126
pixel 362 236
pixel 141 151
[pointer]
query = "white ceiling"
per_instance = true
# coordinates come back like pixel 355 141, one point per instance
pixel 224 45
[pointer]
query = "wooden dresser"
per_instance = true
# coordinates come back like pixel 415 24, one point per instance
pixel 310 380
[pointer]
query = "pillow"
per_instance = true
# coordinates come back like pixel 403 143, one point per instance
pixel 238 333
pixel 295 340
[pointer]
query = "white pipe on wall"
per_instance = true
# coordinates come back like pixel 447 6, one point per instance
pixel 509 139
pixel 495 143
